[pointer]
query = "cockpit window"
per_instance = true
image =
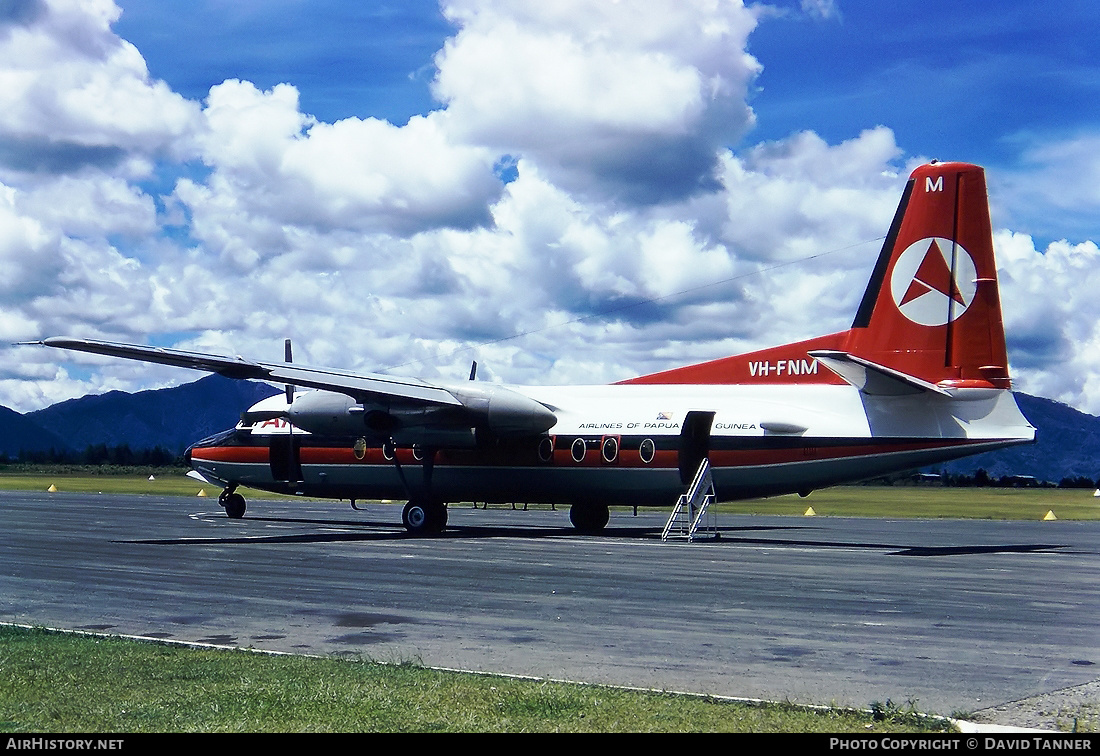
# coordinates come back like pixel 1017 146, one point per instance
pixel 226 438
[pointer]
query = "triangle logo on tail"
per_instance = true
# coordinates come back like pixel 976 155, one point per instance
pixel 933 281
pixel 932 275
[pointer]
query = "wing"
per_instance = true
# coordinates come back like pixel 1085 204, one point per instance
pixel 363 387
pixel 383 401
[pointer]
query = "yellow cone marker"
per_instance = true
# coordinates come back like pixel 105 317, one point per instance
pixel 52 488
pixel 809 512
pixel 202 492
pixel 1049 515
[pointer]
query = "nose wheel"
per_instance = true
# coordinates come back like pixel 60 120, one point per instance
pixel 232 502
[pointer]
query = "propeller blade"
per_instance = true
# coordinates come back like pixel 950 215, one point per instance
pixel 288 357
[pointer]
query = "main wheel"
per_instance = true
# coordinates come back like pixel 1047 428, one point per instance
pixel 234 505
pixel 589 518
pixel 439 517
pixel 422 516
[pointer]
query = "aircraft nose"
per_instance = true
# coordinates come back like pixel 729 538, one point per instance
pixel 187 455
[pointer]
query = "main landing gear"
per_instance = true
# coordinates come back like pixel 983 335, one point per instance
pixel 424 516
pixel 589 518
pixel 233 503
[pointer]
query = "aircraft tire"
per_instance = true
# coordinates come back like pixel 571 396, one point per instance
pixel 423 517
pixel 589 518
pixel 439 517
pixel 234 505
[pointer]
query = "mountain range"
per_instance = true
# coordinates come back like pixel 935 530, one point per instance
pixel 171 418
pixel 1068 443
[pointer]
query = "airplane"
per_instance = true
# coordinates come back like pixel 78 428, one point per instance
pixel 920 378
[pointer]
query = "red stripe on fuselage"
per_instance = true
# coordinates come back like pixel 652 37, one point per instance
pixel 240 454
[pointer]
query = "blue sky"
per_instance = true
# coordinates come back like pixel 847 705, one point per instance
pixel 973 81
pixel 347 59
pixel 399 183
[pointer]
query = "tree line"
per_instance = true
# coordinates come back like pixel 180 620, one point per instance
pixel 980 478
pixel 99 455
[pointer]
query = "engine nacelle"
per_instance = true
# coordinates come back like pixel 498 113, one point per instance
pixel 329 413
pixel 494 411
pixel 326 413
pixel 503 412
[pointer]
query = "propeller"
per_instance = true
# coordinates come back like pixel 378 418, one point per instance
pixel 288 357
pixel 473 370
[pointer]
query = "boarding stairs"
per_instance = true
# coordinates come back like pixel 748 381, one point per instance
pixel 687 516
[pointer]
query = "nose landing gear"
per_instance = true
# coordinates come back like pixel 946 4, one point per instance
pixel 233 503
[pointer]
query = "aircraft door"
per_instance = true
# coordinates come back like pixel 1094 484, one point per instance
pixel 286 458
pixel 694 443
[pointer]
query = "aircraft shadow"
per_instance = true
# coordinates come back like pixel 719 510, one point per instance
pixel 1037 548
pixel 388 531
pixel 451 534
pixel 894 549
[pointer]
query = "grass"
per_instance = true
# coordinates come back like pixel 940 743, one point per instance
pixel 171 482
pixel 64 682
pixel 931 502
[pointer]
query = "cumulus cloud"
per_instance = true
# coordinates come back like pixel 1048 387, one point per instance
pixel 671 283
pixel 72 93
pixel 90 206
pixel 28 255
pixel 1052 316
pixel 792 198
pixel 271 161
pixel 611 99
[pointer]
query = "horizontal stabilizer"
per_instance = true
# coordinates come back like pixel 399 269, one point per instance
pixel 871 378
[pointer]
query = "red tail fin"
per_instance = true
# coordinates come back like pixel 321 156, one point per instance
pixel 931 311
